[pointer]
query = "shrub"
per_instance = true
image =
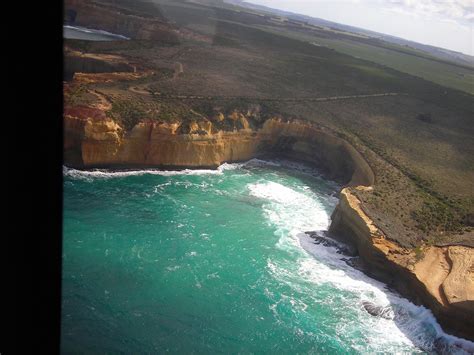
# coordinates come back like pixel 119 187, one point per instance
pixel 127 113
pixel 73 94
pixel 419 253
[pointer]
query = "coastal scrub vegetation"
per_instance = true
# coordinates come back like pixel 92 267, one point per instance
pixel 127 112
pixel 74 94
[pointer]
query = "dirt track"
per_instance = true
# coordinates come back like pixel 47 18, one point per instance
pixel 285 99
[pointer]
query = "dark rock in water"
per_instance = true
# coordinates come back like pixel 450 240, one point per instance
pixel 378 311
pixel 321 238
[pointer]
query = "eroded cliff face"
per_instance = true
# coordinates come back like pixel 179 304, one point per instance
pixel 442 279
pixel 98 141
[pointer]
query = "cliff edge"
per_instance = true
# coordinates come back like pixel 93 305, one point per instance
pixel 440 278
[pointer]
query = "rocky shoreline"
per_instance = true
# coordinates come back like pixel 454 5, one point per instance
pixel 443 280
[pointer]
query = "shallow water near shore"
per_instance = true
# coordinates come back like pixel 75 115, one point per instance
pixel 213 261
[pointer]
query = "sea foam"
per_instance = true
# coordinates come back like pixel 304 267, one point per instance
pixel 110 174
pixel 292 212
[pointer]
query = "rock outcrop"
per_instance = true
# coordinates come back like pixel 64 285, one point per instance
pixel 378 311
pixel 442 279
pixel 95 140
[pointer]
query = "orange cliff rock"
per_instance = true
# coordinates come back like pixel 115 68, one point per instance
pixel 97 141
pixel 442 280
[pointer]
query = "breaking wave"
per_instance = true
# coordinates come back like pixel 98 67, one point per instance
pixel 403 327
pixel 110 174
pixel 306 267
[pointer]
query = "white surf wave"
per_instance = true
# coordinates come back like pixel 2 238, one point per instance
pixel 292 211
pixel 411 323
pixel 283 210
pixel 110 174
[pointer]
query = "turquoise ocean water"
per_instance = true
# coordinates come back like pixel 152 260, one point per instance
pixel 216 261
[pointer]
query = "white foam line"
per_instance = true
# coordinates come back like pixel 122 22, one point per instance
pixel 292 211
pixel 110 174
pixel 409 318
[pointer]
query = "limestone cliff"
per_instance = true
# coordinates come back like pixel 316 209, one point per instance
pixel 94 140
pixel 442 279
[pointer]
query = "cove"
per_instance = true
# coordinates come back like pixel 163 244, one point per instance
pixel 213 261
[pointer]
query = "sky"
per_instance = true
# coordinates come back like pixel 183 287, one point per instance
pixel 441 23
